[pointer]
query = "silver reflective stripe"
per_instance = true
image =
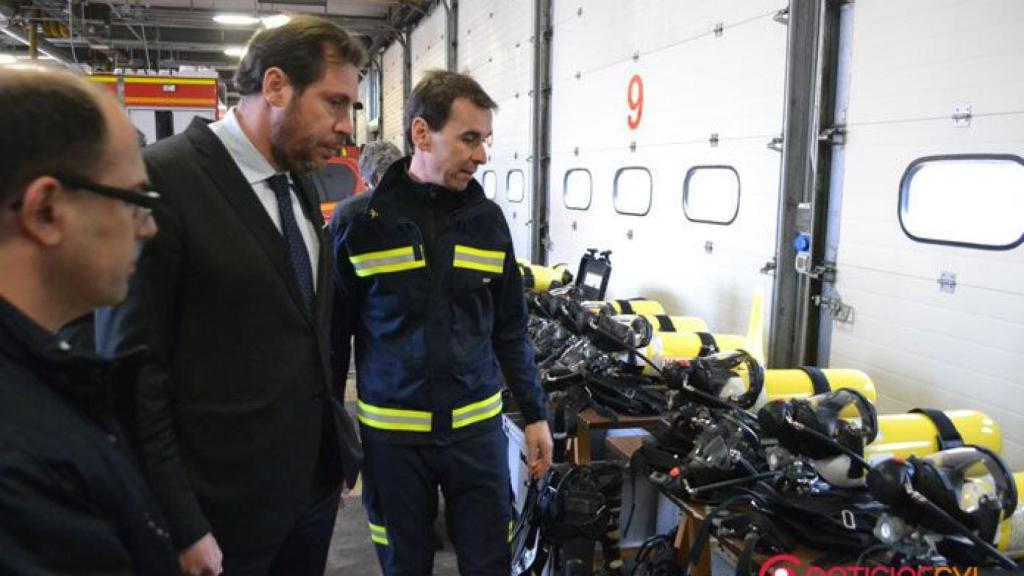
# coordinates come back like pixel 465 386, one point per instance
pixel 477 413
pixel 385 261
pixel 481 259
pixel 394 419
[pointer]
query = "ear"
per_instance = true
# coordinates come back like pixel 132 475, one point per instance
pixel 43 213
pixel 421 134
pixel 277 88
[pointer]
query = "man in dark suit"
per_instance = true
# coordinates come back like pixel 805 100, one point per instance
pixel 244 438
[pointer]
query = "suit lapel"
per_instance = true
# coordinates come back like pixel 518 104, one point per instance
pixel 230 182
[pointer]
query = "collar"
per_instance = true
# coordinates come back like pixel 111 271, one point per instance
pixel 84 377
pixel 397 185
pixel 23 338
pixel 250 162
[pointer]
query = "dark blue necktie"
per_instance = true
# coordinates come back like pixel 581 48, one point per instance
pixel 293 238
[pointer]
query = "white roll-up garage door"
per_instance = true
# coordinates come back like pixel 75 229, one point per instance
pixel 496 47
pixel 392 86
pixel 935 105
pixel 653 100
pixel 429 43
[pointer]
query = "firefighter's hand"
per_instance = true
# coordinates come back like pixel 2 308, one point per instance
pixel 202 558
pixel 539 447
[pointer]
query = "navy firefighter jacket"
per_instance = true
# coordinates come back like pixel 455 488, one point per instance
pixel 430 289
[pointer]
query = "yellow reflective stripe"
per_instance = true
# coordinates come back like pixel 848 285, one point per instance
pixel 360 258
pixel 477 411
pixel 510 530
pixel 386 261
pixel 378 534
pixel 420 421
pixel 477 259
pixel 370 271
pixel 393 418
pixel 491 254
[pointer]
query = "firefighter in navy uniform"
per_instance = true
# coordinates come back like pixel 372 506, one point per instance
pixel 436 308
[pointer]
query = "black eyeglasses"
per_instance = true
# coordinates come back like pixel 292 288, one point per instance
pixel 142 203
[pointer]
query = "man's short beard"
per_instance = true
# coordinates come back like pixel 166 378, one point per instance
pixel 286 144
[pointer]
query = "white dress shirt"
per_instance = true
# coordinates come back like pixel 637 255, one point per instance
pixel 256 170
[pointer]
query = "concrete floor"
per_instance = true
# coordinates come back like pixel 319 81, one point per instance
pixel 352 553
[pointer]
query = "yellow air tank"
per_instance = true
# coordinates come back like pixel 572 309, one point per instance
pixel 617 307
pixel 797 383
pixel 672 346
pixel 666 323
pixel 905 435
pixel 537 278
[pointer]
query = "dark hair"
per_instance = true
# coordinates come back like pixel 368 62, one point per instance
pixel 50 122
pixel 432 99
pixel 299 48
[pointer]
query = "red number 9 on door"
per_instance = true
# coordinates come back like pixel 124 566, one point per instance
pixel 635 99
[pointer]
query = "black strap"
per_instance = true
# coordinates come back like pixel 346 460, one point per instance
pixel 746 558
pixel 665 323
pixel 818 379
pixel 560 435
pixel 708 344
pixel 528 280
pixel 949 436
pixel 625 306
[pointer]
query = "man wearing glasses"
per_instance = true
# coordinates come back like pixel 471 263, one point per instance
pixel 244 438
pixel 75 212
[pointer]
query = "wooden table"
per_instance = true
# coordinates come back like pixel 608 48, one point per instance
pixel 691 515
pixel 590 420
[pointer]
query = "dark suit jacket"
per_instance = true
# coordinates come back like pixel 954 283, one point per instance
pixel 231 408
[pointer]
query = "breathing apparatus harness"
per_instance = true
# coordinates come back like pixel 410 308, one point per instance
pixel 812 428
pixel 565 515
pixel 657 557
pixel 930 493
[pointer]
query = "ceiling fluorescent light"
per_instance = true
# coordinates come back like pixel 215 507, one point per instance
pixel 236 19
pixel 235 51
pixel 276 20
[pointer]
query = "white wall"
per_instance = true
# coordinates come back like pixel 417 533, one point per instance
pixel 429 43
pixel 696 83
pixel 495 46
pixel 392 86
pixel 914 62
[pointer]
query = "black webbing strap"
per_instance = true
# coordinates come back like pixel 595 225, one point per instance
pixel 818 379
pixel 665 323
pixel 708 345
pixel 949 436
pixel 560 435
pixel 746 558
pixel 528 280
pixel 700 542
pixel 625 307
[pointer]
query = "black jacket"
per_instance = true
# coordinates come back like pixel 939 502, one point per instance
pixel 439 316
pixel 71 499
pixel 241 424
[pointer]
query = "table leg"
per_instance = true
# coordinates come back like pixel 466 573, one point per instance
pixel 686 537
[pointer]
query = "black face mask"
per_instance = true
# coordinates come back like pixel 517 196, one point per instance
pixel 712 373
pixel 970 484
pixel 821 414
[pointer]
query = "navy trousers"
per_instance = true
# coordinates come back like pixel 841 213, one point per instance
pixel 400 485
